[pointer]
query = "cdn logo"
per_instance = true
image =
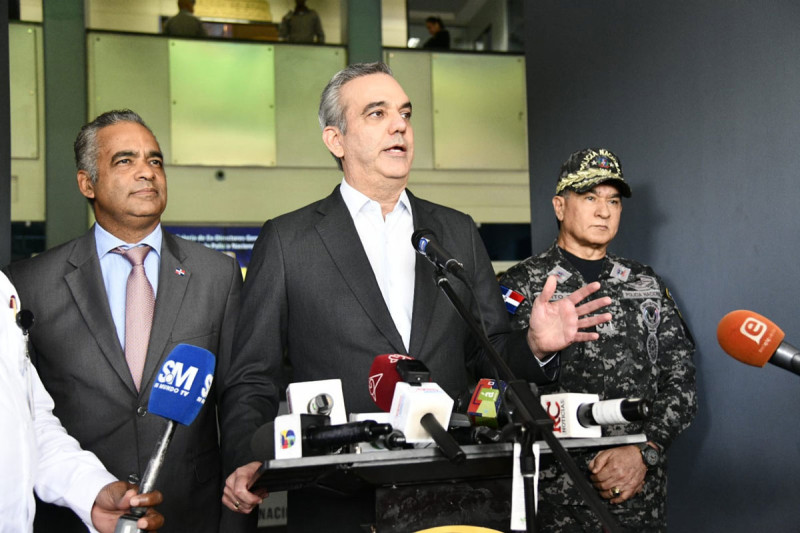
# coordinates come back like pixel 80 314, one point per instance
pixel 753 329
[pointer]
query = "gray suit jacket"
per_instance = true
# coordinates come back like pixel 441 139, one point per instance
pixel 81 362
pixel 312 308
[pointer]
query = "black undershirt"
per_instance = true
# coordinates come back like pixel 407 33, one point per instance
pixel 590 269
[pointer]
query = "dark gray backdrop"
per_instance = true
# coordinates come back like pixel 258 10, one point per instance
pixel 701 101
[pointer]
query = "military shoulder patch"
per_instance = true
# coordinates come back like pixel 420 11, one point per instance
pixel 512 299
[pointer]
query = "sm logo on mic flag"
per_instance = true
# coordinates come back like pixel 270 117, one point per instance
pixel 512 299
pixel 182 384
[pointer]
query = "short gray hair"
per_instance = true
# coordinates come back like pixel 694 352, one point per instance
pixel 563 194
pixel 86 149
pixel 331 110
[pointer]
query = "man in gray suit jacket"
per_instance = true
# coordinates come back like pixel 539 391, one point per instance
pixel 76 292
pixel 336 283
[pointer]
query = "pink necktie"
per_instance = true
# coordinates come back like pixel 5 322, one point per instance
pixel 139 304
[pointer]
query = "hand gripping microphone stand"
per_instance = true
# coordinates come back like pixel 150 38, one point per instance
pixel 533 418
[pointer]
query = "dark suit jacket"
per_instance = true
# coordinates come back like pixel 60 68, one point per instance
pixel 81 362
pixel 311 296
pixel 312 309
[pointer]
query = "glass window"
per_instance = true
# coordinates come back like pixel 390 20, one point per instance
pixel 260 20
pixel 472 25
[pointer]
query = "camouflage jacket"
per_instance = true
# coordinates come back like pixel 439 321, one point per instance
pixel 644 352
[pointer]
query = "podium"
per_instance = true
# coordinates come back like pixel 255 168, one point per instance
pixel 419 488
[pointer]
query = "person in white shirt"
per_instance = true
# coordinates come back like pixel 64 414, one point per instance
pixel 334 284
pixel 37 454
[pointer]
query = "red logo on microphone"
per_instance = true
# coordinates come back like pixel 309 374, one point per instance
pixel 554 412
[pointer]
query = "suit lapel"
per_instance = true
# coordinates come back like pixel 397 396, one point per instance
pixel 340 238
pixel 425 290
pixel 86 285
pixel 171 289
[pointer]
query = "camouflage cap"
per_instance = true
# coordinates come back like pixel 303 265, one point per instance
pixel 589 167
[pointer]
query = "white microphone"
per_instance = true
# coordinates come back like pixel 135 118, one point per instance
pixel 419 408
pixel 321 397
pixel 577 415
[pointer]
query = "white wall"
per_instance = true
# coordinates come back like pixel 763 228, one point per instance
pixel 30 10
pixel 394 30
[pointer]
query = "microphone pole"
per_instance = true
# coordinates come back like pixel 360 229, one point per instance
pixel 154 466
pixel 127 522
pixel 533 417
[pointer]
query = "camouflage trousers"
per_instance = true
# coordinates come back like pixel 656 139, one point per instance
pixel 581 519
pixel 562 509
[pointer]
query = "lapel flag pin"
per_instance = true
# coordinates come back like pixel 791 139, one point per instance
pixel 180 271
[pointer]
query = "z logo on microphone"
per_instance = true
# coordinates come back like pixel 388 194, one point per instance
pixel 373 385
pixel 753 329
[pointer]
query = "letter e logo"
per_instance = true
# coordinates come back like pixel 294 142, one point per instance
pixel 753 329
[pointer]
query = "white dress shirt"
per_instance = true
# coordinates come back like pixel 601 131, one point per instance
pixel 387 243
pixel 36 453
pixel 116 268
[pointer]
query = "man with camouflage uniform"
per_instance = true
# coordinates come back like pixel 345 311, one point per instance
pixel 644 352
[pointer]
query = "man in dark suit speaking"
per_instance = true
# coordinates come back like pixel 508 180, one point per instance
pixel 110 306
pixel 336 283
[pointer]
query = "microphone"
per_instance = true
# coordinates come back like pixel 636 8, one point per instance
pixel 756 340
pixel 383 377
pixel 481 416
pixel 606 412
pixel 321 397
pixel 582 415
pixel 485 406
pixel 393 441
pixel 301 435
pixel 178 394
pixel 321 404
pixel 327 438
pixel 419 408
pixel 425 243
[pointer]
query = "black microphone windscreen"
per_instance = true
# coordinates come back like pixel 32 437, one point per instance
pixel 418 234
